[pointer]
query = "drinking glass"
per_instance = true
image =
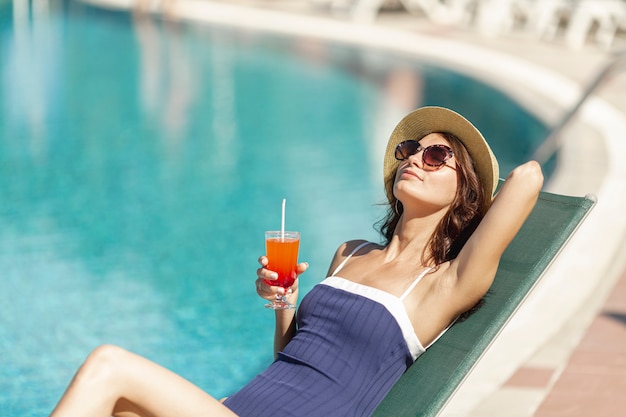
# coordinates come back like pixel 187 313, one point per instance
pixel 282 254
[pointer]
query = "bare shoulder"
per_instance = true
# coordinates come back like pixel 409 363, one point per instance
pixel 346 248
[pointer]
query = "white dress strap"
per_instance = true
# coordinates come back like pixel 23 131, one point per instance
pixel 414 283
pixel 408 291
pixel 348 257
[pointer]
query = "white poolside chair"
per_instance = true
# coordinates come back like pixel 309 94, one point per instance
pixel 438 11
pixel 608 15
pixel 544 17
pixel 454 12
pixel 495 17
pixel 540 18
pixel 367 10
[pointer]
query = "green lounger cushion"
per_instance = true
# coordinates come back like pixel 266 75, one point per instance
pixel 430 382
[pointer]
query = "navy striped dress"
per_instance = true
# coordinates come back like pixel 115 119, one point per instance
pixel 353 343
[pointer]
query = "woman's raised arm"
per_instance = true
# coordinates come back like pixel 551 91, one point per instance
pixel 476 265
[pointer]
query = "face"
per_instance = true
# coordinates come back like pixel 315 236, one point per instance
pixel 419 184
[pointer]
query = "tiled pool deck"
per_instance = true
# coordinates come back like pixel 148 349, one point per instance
pixel 564 353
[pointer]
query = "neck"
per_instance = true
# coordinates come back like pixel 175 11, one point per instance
pixel 412 236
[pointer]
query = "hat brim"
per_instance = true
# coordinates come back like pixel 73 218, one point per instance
pixel 427 120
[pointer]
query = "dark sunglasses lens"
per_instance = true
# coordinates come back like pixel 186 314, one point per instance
pixel 406 149
pixel 436 155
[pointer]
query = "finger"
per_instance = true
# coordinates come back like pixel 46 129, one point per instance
pixel 263 286
pixel 268 291
pixel 266 274
pixel 301 267
pixel 294 286
pixel 263 260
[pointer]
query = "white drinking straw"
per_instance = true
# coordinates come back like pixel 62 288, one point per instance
pixel 282 223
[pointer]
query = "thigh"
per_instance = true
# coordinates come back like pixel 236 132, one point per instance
pixel 150 390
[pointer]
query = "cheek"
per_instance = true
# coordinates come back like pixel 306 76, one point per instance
pixel 446 188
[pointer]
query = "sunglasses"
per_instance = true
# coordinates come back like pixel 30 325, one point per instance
pixel 434 156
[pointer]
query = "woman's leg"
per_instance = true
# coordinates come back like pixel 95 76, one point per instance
pixel 115 381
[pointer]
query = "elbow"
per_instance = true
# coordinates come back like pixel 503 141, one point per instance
pixel 530 174
pixel 533 174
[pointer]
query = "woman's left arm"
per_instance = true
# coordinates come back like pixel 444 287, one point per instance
pixel 476 265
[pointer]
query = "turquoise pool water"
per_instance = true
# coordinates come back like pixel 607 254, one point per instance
pixel 141 161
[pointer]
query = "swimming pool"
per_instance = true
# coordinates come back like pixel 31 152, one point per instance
pixel 141 161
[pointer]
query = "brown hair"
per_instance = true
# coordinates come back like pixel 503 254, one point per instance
pixel 466 211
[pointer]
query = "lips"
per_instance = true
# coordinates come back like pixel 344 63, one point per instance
pixel 409 173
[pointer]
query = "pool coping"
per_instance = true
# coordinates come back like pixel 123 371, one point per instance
pixel 571 277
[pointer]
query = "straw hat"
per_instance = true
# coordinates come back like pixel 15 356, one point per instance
pixel 427 120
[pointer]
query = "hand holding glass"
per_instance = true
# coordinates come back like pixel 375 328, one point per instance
pixel 282 254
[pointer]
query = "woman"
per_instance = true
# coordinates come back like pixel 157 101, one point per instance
pixel 357 332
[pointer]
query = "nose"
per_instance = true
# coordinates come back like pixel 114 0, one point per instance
pixel 416 159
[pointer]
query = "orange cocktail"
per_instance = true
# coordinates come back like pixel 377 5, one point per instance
pixel 282 254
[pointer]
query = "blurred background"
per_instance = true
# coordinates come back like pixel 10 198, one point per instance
pixel 146 145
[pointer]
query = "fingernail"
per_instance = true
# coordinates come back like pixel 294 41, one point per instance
pixel 274 275
pixel 281 291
